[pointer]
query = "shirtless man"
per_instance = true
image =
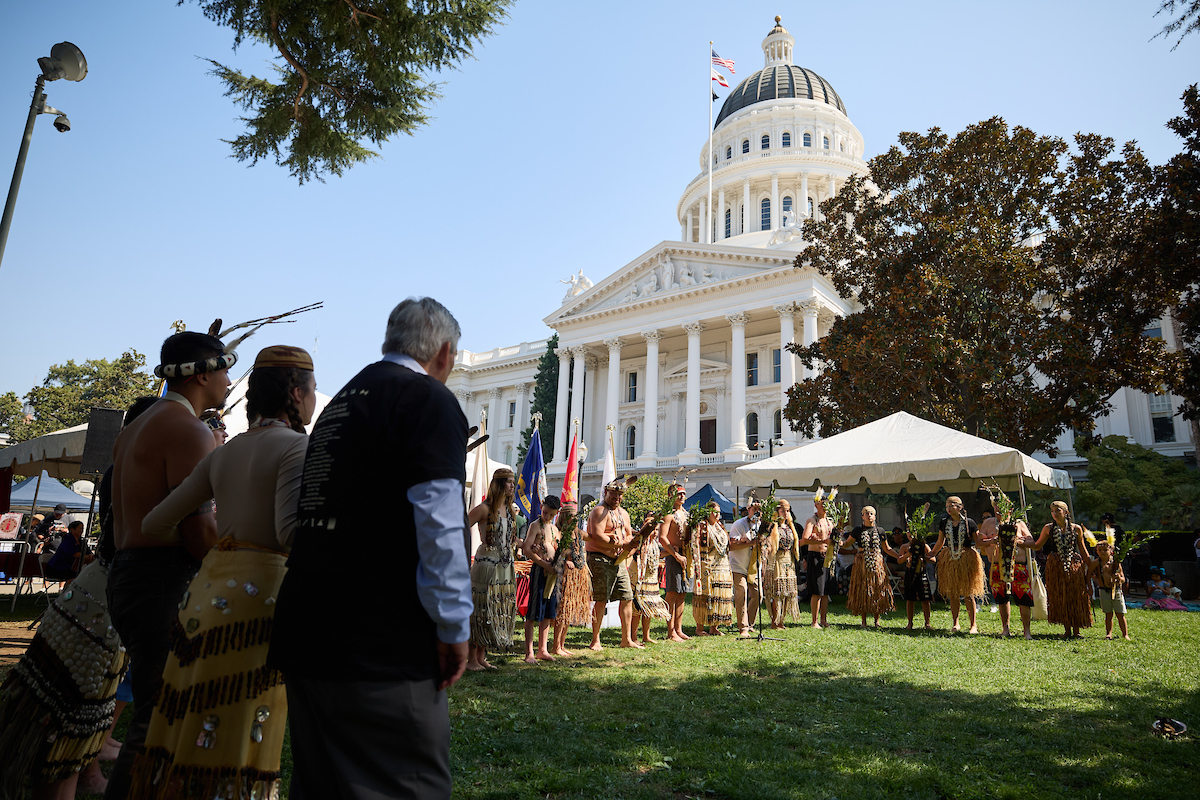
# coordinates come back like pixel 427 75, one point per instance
pixel 1020 590
pixel 818 533
pixel 540 546
pixel 149 575
pixel 609 535
pixel 670 538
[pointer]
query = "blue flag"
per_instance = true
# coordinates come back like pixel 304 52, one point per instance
pixel 531 483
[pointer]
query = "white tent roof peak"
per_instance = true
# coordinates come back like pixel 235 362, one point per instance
pixel 901 451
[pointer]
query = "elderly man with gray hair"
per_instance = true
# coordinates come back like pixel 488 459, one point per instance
pixel 366 688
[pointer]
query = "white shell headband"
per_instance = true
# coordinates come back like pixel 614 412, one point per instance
pixel 187 369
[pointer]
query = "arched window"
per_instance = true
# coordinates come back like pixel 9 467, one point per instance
pixel 766 142
pixel 825 142
pixel 745 145
pixel 752 430
pixel 810 207
pixel 808 140
pixel 787 204
pixel 508 455
pixel 842 146
pixel 778 424
pixel 728 153
pixel 631 443
pixel 787 139
pixel 766 214
pixel 728 222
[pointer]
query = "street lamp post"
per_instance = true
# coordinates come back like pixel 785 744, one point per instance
pixel 583 450
pixel 65 61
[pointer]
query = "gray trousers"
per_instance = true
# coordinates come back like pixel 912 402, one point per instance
pixel 368 740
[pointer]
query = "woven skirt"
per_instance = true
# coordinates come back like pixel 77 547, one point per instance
pixel 962 577
pixel 1068 601
pixel 870 590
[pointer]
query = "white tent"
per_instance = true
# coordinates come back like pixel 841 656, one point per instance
pixel 58 453
pixel 902 452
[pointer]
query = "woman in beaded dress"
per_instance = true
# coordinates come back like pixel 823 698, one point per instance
pixel 205 741
pixel 575 601
pixel 715 581
pixel 493 572
pixel 870 586
pixel 57 704
pixel 1068 597
pixel 779 572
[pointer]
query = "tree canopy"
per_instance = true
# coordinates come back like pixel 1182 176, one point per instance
pixel 70 390
pixel 1139 486
pixel 1005 284
pixel 347 72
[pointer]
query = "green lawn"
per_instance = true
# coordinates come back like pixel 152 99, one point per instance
pixel 839 713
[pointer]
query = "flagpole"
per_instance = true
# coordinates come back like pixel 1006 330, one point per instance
pixel 709 212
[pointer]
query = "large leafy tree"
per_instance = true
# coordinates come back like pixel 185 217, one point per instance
pixel 545 402
pixel 1139 486
pixel 12 417
pixel 1004 280
pixel 346 72
pixel 70 390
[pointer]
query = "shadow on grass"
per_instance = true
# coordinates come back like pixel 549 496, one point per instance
pixel 762 726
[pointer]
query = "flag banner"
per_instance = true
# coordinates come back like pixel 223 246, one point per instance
pixel 531 484
pixel 727 63
pixel 571 479
pixel 610 461
pixel 719 78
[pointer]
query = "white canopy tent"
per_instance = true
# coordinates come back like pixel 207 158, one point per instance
pixel 903 452
pixel 59 453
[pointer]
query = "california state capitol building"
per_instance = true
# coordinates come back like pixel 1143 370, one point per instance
pixel 681 352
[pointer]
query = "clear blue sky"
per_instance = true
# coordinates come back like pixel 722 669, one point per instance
pixel 564 145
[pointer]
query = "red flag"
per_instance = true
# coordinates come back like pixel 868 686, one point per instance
pixel 571 479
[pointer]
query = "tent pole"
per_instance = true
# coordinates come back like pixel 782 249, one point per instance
pixel 21 564
pixel 91 511
pixel 1021 489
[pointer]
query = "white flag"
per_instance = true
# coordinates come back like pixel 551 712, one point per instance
pixel 610 462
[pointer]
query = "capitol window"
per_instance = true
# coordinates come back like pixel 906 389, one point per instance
pixel 766 142
pixel 808 140
pixel 745 145
pixel 728 153
pixel 778 424
pixel 777 365
pixel 752 369
pixel 728 222
pixel 825 142
pixel 787 204
pixel 631 443
pixel 631 388
pixel 1161 417
pixel 810 207
pixel 512 413
pixel 766 215
pixel 752 430
pixel 787 139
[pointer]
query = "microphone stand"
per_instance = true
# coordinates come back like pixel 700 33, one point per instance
pixel 761 594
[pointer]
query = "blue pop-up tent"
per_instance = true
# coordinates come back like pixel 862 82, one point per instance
pixel 706 493
pixel 49 495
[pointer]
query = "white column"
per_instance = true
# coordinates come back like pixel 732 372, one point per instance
pixel 683 234
pixel 688 226
pixel 561 420
pixel 587 432
pixel 704 223
pixel 650 414
pixel 577 391
pixel 691 439
pixel 612 398
pixel 744 224
pixel 774 201
pixel 495 423
pixel 737 416
pixel 804 192
pixel 464 400
pixel 787 366
pixel 673 416
pixel 722 441
pixel 810 308
pixel 721 215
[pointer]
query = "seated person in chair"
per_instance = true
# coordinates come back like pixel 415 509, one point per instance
pixel 67 560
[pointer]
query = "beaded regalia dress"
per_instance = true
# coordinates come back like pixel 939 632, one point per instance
pixel 643 574
pixel 715 580
pixel 575 602
pixel 494 587
pixel 870 587
pixel 779 575
pixel 56 704
pixel 1068 601
pixel 959 566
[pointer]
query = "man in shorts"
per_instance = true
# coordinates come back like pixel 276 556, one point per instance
pixel 818 535
pixel 609 536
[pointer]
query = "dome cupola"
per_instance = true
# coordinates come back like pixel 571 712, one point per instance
pixel 778 46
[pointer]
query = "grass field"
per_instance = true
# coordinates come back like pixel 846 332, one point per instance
pixel 839 713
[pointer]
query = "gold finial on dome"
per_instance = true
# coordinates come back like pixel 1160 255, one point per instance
pixel 778 25
pixel 778 19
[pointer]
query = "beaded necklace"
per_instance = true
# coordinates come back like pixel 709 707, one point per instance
pixel 956 536
pixel 1064 540
pixel 870 543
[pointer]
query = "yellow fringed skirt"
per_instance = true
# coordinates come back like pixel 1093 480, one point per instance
pixel 870 589
pixel 961 577
pixel 1068 601
pixel 575 605
pixel 220 713
pixel 779 581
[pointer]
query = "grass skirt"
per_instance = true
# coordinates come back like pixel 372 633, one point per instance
pixel 220 713
pixel 717 582
pixel 779 581
pixel 870 590
pixel 962 577
pixel 643 574
pixel 494 592
pixel 56 705
pixel 1068 601
pixel 575 605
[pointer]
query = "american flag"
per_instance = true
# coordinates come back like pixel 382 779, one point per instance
pixel 723 62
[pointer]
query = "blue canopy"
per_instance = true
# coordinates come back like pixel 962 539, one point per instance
pixel 706 493
pixel 49 495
